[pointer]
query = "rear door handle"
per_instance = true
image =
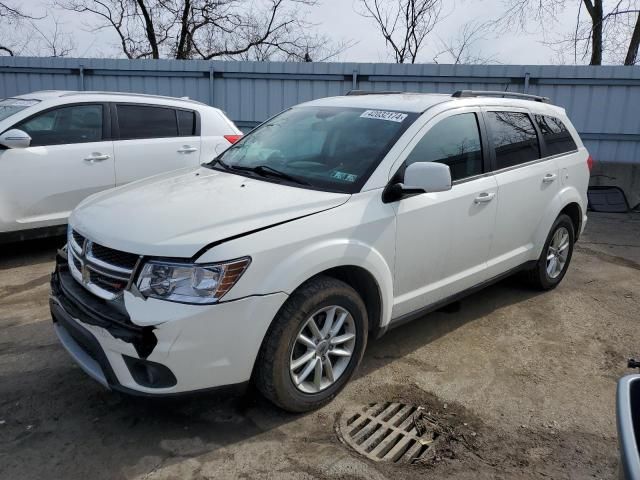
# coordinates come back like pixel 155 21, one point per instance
pixel 549 178
pixel 484 197
pixel 96 157
pixel 187 149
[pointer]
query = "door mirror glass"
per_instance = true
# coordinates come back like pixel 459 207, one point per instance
pixel 15 138
pixel 428 177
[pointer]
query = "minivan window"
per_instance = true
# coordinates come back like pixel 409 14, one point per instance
pixel 328 148
pixel 557 138
pixel 186 123
pixel 454 141
pixel 514 138
pixel 9 106
pixel 65 125
pixel 142 121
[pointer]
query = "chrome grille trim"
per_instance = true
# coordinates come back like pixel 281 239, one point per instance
pixel 84 268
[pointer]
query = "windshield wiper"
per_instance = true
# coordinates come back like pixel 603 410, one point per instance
pixel 267 171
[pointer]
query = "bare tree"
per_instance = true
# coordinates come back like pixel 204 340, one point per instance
pixel 605 30
pixel 404 24
pixel 206 29
pixel 462 49
pixel 10 17
pixel 52 42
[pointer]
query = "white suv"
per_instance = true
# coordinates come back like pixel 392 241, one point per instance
pixel 329 224
pixel 58 147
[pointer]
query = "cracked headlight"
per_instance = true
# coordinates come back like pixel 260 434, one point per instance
pixel 190 282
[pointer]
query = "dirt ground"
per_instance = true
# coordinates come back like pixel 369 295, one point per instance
pixel 523 382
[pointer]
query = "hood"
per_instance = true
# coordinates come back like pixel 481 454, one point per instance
pixel 176 214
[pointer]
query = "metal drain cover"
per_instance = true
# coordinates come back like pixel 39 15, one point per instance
pixel 391 432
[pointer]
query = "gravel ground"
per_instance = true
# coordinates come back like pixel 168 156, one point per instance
pixel 522 385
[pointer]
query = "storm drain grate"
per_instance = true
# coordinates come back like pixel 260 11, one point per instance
pixel 392 432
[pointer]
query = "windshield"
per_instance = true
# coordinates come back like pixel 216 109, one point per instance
pixel 9 106
pixel 328 148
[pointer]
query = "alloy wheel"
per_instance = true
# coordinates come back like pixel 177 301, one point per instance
pixel 558 252
pixel 322 349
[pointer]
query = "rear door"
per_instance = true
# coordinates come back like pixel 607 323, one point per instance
pixel 151 139
pixel 70 158
pixel 527 184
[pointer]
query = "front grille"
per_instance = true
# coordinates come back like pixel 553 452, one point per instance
pixel 103 271
pixel 113 257
pixel 79 239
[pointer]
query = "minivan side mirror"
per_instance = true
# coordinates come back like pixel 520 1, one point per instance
pixel 15 138
pixel 420 177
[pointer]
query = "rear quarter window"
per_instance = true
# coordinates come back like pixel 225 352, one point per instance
pixel 556 137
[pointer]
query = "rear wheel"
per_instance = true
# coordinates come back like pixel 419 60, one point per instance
pixel 555 257
pixel 313 346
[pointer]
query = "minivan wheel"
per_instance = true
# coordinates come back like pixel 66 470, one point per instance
pixel 313 346
pixel 556 255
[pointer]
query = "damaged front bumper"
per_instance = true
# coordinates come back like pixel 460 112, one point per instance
pixel 153 347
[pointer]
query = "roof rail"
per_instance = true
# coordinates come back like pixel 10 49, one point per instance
pixel 497 93
pixel 131 94
pixel 370 92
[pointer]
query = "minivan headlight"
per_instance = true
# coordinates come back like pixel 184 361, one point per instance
pixel 190 282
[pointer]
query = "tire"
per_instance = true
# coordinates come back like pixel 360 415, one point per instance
pixel 281 348
pixel 539 276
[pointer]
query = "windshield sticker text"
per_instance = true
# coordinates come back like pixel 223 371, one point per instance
pixel 347 177
pixel 383 115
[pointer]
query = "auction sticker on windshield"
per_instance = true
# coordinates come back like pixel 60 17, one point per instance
pixel 383 115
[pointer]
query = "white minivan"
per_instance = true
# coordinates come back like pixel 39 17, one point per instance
pixel 59 147
pixel 325 226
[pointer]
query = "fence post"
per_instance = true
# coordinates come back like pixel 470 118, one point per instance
pixel 354 80
pixel 81 79
pixel 526 82
pixel 211 72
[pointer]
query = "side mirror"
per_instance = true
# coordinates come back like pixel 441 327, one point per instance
pixel 420 177
pixel 15 138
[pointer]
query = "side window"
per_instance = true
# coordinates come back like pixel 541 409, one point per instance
pixel 186 123
pixel 556 136
pixel 514 138
pixel 142 121
pixel 65 125
pixel 454 141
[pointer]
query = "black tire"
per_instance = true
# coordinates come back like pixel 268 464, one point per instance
pixel 538 277
pixel 272 375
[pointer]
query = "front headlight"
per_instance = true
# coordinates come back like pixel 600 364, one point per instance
pixel 190 282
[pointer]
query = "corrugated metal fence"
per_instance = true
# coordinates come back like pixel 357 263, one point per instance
pixel 603 102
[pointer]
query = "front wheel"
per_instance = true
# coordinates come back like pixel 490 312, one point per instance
pixel 555 257
pixel 313 346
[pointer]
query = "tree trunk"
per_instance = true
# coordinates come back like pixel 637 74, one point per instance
pixel 182 52
pixel 595 12
pixel 151 33
pixel 632 53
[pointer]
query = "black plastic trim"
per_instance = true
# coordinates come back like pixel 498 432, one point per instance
pixel 408 317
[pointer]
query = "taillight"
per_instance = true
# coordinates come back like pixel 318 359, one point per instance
pixel 590 162
pixel 232 138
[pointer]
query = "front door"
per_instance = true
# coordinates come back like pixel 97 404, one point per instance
pixel 70 158
pixel 443 239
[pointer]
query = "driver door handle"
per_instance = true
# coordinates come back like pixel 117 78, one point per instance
pixel 96 157
pixel 187 149
pixel 549 178
pixel 484 197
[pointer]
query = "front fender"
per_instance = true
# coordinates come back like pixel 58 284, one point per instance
pixel 319 257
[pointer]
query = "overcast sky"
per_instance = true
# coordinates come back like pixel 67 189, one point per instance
pixel 339 19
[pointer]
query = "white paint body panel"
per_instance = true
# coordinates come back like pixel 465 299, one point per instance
pixel 39 186
pixel 419 250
